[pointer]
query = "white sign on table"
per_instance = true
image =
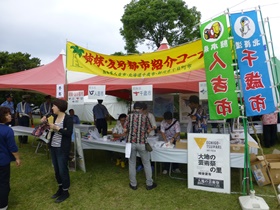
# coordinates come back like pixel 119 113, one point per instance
pixel 76 97
pixel 209 162
pixel 142 93
pixel 96 91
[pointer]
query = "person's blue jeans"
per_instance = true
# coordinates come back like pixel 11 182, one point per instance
pixel 60 164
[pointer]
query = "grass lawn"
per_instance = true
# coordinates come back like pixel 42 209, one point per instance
pixel 105 186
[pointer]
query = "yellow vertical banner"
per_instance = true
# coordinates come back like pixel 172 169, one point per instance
pixel 180 59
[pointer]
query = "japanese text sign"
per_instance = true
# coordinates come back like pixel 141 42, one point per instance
pixel 254 71
pixel 76 97
pixel 209 162
pixel 60 91
pixel 181 59
pixel 96 91
pixel 142 93
pixel 222 98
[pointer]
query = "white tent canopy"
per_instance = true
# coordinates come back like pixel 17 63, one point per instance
pixel 84 111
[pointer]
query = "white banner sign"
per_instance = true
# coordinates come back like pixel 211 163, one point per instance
pixel 60 91
pixel 142 93
pixel 203 94
pixel 209 162
pixel 96 91
pixel 76 97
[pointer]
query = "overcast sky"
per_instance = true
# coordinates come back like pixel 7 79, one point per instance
pixel 41 28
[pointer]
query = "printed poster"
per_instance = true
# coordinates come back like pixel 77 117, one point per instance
pixel 209 162
pixel 96 91
pixel 163 103
pixel 203 94
pixel 142 93
pixel 76 97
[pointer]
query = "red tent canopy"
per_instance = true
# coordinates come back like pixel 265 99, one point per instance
pixel 187 82
pixel 41 79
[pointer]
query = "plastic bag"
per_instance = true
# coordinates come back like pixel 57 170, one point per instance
pixel 40 129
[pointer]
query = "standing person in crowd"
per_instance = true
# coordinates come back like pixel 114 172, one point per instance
pixel 152 119
pixel 170 131
pixel 10 104
pixel 8 153
pixel 270 129
pixel 46 107
pixel 76 119
pixel 137 127
pixel 60 145
pixel 153 125
pixel 100 115
pixel 198 114
pixel 191 111
pixel 119 134
pixel 24 114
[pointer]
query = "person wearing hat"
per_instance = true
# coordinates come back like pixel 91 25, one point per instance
pixel 60 145
pixel 100 115
pixel 46 107
pixel 137 127
pixel 24 116
pixel 10 104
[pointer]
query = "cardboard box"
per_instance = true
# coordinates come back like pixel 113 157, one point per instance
pixel 182 144
pixel 259 170
pixel 240 148
pixel 237 148
pixel 272 158
pixel 274 167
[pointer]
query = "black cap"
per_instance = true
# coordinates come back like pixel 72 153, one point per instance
pixel 138 105
pixel 9 95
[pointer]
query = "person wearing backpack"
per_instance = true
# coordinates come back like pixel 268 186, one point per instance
pixel 170 131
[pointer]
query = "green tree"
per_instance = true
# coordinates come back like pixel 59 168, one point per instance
pixel 15 62
pixel 118 54
pixel 152 20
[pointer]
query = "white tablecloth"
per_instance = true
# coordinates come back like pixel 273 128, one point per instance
pixel 21 130
pixel 158 154
pixel 104 145
pixel 181 156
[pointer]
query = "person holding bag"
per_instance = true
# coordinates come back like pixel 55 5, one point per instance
pixel 61 130
pixel 137 127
